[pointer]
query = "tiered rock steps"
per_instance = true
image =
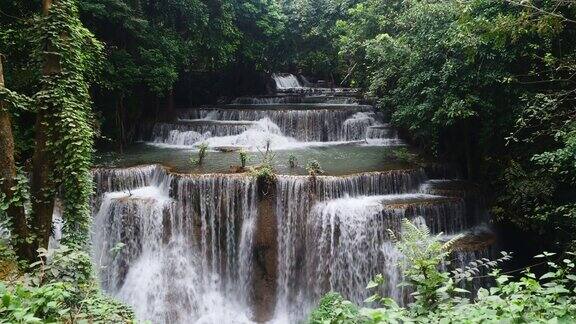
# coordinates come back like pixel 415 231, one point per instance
pixel 450 187
pixel 272 99
pixel 405 201
pixel 203 122
pixel 324 91
pixel 290 106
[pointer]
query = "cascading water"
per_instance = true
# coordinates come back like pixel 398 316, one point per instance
pixel 195 131
pixel 185 256
pixel 286 81
pixel 295 100
pixel 335 125
pixel 227 248
pixel 332 233
pixel 356 126
pixel 317 124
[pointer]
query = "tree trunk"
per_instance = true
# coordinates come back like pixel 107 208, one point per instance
pixel 42 189
pixel 16 213
pixel 46 4
pixel 470 154
pixel 170 104
pixel 120 121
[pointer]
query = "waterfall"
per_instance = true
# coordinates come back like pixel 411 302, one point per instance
pixel 382 134
pixel 258 136
pixel 309 125
pixel 187 245
pixel 228 248
pixel 196 131
pixel 245 127
pixel 333 233
pixel 356 127
pixel 286 81
pixel 294 99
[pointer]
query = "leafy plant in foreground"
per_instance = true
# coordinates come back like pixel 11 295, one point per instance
pixel 61 287
pixel 438 299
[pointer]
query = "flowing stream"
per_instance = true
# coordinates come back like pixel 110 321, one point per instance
pixel 199 247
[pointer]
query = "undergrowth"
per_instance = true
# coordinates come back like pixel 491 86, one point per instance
pixel 437 297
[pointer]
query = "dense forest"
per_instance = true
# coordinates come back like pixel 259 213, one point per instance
pixel 487 87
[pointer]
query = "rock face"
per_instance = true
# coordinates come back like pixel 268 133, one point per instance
pixel 229 248
pixel 265 255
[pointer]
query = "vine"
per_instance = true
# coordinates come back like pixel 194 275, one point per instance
pixel 16 100
pixel 66 101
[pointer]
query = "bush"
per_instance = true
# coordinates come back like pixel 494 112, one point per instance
pixel 313 167
pixel 264 173
pixel 61 287
pixel 243 158
pixel 402 155
pixel 23 304
pixel 292 161
pixel 437 298
pixel 202 152
pixel 335 309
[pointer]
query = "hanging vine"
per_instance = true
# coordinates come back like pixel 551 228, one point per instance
pixel 66 101
pixel 16 100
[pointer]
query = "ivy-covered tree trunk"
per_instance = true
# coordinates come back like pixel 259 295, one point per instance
pixel 15 211
pixel 42 189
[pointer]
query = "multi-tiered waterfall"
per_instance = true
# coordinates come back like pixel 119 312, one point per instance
pixel 203 244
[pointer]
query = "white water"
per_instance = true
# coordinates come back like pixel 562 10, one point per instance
pixel 170 270
pixel 284 129
pixel 286 81
pixel 191 252
pixel 336 238
pixel 188 253
pixel 257 137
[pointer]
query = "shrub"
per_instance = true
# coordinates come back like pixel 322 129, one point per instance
pixel 313 167
pixel 292 161
pixel 24 304
pixel 335 309
pixel 243 158
pixel 528 299
pixel 61 287
pixel 402 155
pixel 202 152
pixel 264 173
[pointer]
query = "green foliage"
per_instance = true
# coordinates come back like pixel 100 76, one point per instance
pixel 64 265
pixel 65 95
pixel 61 96
pixel 423 255
pixel 310 33
pixel 292 161
pixel 21 193
pixel 46 304
pixel 527 299
pixel 243 155
pixel 402 155
pixel 61 289
pixel 15 100
pixel 334 309
pixel 313 167
pixel 486 84
pixel 264 171
pixel 202 151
